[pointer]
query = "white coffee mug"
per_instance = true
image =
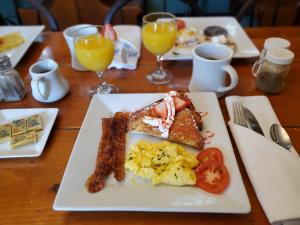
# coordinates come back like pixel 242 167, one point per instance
pixel 47 84
pixel 69 37
pixel 211 62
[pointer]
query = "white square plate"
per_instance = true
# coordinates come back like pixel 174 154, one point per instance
pixel 29 33
pixel 245 47
pixel 48 116
pixel 134 194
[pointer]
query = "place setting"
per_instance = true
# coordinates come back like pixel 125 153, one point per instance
pixel 211 62
pixel 167 150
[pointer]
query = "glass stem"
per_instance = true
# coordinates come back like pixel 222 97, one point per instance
pixel 159 59
pixel 101 76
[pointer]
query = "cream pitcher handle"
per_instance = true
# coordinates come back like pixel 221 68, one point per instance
pixel 42 87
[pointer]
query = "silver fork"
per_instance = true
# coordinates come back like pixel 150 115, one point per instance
pixel 238 114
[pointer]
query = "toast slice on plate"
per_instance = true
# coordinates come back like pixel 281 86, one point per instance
pixel 173 118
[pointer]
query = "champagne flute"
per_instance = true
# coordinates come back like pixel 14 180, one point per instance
pixel 95 52
pixel 159 35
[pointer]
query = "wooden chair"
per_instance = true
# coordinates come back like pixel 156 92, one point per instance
pixel 42 12
pixel 117 6
pixel 192 10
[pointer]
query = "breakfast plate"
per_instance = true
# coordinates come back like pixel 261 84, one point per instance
pixel 133 193
pixel 29 33
pixel 48 116
pixel 244 45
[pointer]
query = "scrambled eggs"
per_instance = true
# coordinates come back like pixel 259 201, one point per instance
pixel 162 163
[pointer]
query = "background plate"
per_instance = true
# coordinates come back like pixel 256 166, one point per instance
pixel 135 194
pixel 48 116
pixel 28 32
pixel 246 48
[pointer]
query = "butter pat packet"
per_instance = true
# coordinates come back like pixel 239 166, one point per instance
pixel 5 132
pixel 23 139
pixel 18 127
pixel 34 122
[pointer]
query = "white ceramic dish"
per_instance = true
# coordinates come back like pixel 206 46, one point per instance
pixel 246 48
pixel 28 32
pixel 48 116
pixel 135 194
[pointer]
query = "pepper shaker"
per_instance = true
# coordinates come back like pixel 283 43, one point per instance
pixel 273 42
pixel 11 84
pixel 273 70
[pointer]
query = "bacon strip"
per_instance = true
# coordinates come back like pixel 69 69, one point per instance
pixel 111 153
pixel 104 162
pixel 119 128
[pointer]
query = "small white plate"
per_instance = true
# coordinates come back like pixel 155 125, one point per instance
pixel 245 47
pixel 29 33
pixel 48 116
pixel 134 194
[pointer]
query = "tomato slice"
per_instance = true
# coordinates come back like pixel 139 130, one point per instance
pixel 212 176
pixel 210 154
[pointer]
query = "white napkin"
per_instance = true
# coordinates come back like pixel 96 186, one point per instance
pixel 273 171
pixel 129 38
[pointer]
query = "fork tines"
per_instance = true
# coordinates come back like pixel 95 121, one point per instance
pixel 238 114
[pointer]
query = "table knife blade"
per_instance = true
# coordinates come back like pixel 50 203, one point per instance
pixel 252 121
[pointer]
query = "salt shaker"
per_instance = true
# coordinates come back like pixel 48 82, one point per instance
pixel 11 84
pixel 273 42
pixel 273 70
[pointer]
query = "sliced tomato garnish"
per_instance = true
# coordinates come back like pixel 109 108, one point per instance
pixel 212 176
pixel 210 154
pixel 180 24
pixel 109 32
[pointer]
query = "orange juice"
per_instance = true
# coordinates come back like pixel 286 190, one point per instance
pixel 159 37
pixel 94 53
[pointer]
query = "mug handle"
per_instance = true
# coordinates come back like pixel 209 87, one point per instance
pixel 233 76
pixel 44 91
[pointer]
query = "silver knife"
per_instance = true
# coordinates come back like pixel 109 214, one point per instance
pixel 252 121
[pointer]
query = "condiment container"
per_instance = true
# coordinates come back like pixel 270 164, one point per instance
pixel 11 84
pixel 273 70
pixel 273 42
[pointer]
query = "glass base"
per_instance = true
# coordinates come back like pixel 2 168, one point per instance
pixel 160 77
pixel 104 89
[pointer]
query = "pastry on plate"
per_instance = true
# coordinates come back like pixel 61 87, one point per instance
pixel 187 38
pixel 173 118
pixel 218 34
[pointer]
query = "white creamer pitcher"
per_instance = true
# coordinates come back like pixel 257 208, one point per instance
pixel 47 84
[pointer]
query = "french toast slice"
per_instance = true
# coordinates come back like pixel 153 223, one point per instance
pixel 185 128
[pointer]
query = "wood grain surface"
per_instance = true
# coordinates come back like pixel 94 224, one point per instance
pixel 28 186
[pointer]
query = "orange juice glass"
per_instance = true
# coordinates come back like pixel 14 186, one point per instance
pixel 159 35
pixel 95 52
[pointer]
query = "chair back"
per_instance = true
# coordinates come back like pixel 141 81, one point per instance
pixel 34 12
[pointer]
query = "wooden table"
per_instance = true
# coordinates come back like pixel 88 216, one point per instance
pixel 28 186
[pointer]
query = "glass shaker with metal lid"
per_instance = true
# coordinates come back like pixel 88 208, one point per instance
pixel 273 70
pixel 11 84
pixel 273 42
